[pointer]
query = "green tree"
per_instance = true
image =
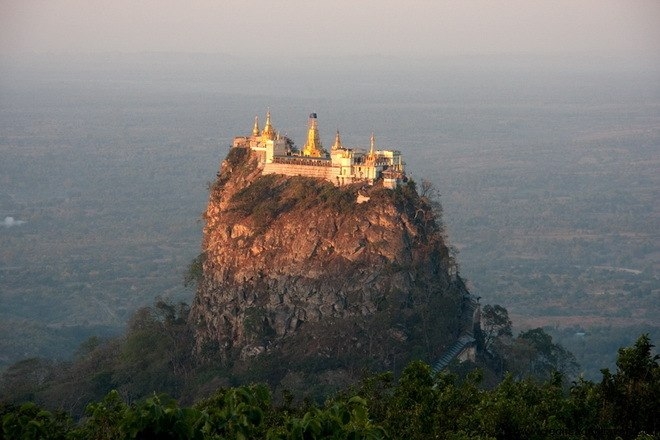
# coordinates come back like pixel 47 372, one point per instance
pixel 583 408
pixel 160 418
pixel 457 403
pixel 21 380
pixel 155 355
pixel 413 404
pixel 340 420
pixel 377 390
pixel 521 410
pixel 195 270
pixel 103 419
pixel 631 396
pixel 548 356
pixel 237 413
pixel 29 421
pixel 495 323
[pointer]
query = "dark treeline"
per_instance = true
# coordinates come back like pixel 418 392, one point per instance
pixel 419 405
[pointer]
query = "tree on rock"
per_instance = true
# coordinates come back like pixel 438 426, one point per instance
pixel 495 323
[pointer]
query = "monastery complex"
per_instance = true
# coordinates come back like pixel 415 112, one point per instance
pixel 341 166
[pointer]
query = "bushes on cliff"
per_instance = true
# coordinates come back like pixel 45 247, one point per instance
pixel 268 196
pixel 251 199
pixel 195 271
pixel 306 193
pixel 271 195
pixel 237 157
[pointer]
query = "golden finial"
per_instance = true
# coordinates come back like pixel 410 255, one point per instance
pixel 373 145
pixel 313 145
pixel 268 132
pixel 255 129
pixel 337 144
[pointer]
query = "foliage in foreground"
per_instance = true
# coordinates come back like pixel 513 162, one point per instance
pixel 420 405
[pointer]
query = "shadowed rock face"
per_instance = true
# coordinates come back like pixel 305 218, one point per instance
pixel 298 267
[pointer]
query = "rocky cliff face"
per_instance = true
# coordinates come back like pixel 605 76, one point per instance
pixel 297 267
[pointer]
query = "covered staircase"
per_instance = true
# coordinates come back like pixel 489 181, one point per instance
pixel 463 343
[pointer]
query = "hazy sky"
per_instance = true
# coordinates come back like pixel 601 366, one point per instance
pixel 333 27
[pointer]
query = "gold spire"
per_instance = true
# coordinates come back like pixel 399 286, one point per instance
pixel 313 145
pixel 269 131
pixel 337 144
pixel 255 129
pixel 373 144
